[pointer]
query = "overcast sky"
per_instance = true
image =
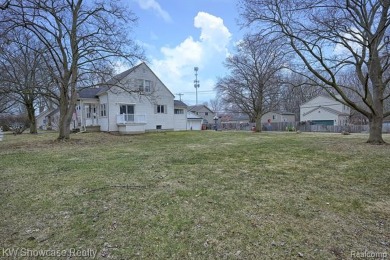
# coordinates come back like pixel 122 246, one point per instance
pixel 181 34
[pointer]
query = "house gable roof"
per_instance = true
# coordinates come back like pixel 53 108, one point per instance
pixel 118 78
pixel 89 92
pixel 281 113
pixel 95 92
pixel 320 96
pixel 179 103
pixel 197 108
pixel 330 110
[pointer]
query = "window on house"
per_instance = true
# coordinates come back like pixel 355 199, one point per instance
pixel 127 109
pixel 103 111
pixel 206 113
pixel 140 84
pixel 158 127
pixel 147 85
pixel 128 112
pixel 273 117
pixel 161 109
pixel 143 85
pixel 179 111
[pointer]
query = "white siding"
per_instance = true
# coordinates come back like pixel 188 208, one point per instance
pixel 320 114
pixel 180 121
pixel 143 104
pixel 317 113
pixel 103 99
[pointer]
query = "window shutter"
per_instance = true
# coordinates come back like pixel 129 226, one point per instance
pixel 155 109
pixel 165 109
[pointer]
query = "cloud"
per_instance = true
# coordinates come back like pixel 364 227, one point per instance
pixel 213 31
pixel 352 39
pixel 154 5
pixel 176 67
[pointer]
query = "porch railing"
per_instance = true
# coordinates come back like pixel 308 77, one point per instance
pixel 130 118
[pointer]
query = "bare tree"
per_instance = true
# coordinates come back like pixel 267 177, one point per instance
pixel 6 102
pixel 216 104
pixel 255 77
pixel 296 91
pixel 79 36
pixel 330 37
pixel 4 4
pixel 23 73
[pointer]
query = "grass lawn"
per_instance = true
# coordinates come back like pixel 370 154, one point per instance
pixel 197 195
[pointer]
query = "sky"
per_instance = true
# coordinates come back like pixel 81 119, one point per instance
pixel 178 35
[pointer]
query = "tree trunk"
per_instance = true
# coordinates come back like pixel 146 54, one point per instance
pixel 258 124
pixel 376 123
pixel 31 118
pixel 66 111
pixel 64 123
pixel 67 107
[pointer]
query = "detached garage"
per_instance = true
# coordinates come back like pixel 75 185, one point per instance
pixel 323 110
pixel 194 122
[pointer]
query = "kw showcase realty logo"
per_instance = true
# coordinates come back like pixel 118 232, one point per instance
pixel 26 252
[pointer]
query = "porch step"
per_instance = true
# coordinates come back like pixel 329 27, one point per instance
pixel 95 128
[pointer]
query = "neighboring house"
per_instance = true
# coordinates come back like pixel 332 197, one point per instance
pixel 194 122
pixel 324 110
pixel 48 119
pixel 204 112
pixel 134 101
pixel 278 117
pixel 272 117
pixel 180 115
pixel 235 118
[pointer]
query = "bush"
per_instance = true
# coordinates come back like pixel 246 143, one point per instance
pixel 290 128
pixel 15 123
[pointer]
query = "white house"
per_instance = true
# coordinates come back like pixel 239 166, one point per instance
pixel 134 101
pixel 324 110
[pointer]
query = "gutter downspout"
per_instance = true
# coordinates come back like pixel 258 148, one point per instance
pixel 108 115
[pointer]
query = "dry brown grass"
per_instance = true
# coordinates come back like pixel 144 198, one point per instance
pixel 196 195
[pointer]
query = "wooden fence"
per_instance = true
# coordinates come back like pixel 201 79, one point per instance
pixel 284 126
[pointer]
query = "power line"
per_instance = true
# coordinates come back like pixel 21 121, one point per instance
pixel 180 94
pixel 202 91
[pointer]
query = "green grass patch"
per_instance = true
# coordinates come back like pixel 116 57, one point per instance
pixel 196 195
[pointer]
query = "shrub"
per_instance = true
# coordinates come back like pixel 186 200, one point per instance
pixel 15 123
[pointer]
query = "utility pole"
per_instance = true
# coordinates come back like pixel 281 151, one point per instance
pixel 196 83
pixel 180 94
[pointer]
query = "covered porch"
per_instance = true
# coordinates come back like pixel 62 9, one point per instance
pixel 87 115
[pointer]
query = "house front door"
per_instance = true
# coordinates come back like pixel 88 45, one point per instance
pixel 91 114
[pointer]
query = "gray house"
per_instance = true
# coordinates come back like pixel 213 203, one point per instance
pixel 204 112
